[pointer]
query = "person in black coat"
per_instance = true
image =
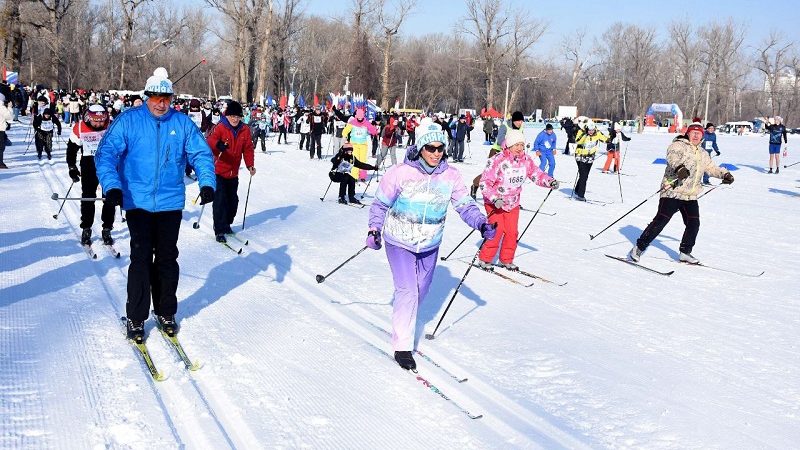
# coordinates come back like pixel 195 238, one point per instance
pixel 569 127
pixel 43 124
pixel 340 172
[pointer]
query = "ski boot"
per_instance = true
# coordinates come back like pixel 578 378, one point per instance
pixel 135 331
pixel 688 258
pixel 635 254
pixel 406 360
pixel 342 200
pixel 86 236
pixel 107 239
pixel 484 265
pixel 509 266
pixel 221 239
pixel 355 201
pixel 167 325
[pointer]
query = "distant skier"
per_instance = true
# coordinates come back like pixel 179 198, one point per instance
pixel 410 208
pixel 615 137
pixel 776 131
pixel 686 163
pixel 587 142
pixel 709 145
pixel 85 137
pixel 341 172
pixel 545 145
pixel 43 124
pixel 140 163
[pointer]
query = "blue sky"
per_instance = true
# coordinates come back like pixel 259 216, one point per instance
pixel 564 17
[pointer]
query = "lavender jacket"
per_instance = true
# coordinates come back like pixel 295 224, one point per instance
pixel 410 206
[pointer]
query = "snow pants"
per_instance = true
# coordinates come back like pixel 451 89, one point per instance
pixel 667 207
pixel 507 231
pixel 611 155
pixel 315 142
pixel 360 153
pixel 226 203
pixel 547 162
pixel 44 142
pixel 347 184
pixel 154 267
pixel 382 156
pixel 412 274
pixel 89 183
pixel 583 174
pixel 3 138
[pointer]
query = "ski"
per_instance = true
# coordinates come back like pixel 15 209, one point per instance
pixel 176 345
pixel 544 213
pixel 354 205
pixel 534 276
pixel 236 236
pixel 112 250
pixel 144 353
pixel 228 246
pixel 89 251
pixel 734 272
pixel 625 260
pixel 503 276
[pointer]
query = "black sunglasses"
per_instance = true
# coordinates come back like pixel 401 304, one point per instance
pixel 434 149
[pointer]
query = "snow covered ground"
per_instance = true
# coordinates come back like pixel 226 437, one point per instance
pixel 616 358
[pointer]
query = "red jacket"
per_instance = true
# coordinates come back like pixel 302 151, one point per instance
pixel 241 144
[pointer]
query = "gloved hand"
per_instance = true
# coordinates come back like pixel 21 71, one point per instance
pixel 488 230
pixel 682 172
pixel 222 145
pixel 75 174
pixel 374 239
pixel 114 197
pixel 554 184
pixel 727 178
pixel 498 203
pixel 206 195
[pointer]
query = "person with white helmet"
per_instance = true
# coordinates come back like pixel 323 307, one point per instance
pixel 776 131
pixel 587 141
pixel 614 146
pixel 140 164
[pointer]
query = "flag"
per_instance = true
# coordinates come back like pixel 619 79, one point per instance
pixel 291 99
pixel 316 101
pixel 301 101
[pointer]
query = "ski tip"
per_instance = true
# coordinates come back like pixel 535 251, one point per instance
pixel 443 258
pixel 479 416
pixel 463 380
pixel 430 337
pixel 320 278
pixel 55 216
pixel 591 237
pixel 240 251
pixel 196 225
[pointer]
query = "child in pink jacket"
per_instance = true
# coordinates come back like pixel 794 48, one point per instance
pixel 501 184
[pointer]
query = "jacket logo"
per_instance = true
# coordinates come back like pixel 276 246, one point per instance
pixel 172 133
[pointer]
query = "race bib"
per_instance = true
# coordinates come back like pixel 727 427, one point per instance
pixel 547 145
pixel 197 118
pixel 709 145
pixel 514 177
pixel 91 140
pixel 215 119
pixel 344 167
pixel 317 119
pixel 262 125
pixel 47 125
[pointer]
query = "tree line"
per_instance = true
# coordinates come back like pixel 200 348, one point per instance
pixel 491 58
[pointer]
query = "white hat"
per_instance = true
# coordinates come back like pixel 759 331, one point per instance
pixel 159 83
pixel 590 125
pixel 427 131
pixel 514 137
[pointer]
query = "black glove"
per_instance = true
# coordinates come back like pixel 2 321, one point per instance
pixel 682 172
pixel 222 145
pixel 114 197
pixel 206 195
pixel 727 178
pixel 75 174
pixel 718 153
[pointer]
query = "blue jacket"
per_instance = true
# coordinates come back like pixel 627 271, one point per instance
pixel 145 156
pixel 544 142
pixel 710 142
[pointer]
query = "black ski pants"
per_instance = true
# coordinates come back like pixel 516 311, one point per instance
pixel 154 267
pixel 44 142
pixel 315 140
pixel 347 184
pixel 282 132
pixel 89 183
pixel 226 202
pixel 583 174
pixel 667 207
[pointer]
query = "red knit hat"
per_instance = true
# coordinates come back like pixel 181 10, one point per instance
pixel 695 126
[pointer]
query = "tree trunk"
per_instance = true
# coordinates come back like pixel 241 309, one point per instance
pixel 264 56
pixel 56 46
pixel 387 51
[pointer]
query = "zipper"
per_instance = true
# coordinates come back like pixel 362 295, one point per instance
pixel 425 211
pixel 158 163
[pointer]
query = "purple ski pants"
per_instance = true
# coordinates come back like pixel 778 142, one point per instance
pixel 412 274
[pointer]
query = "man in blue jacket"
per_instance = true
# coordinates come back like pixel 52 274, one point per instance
pixel 709 145
pixel 140 164
pixel 544 145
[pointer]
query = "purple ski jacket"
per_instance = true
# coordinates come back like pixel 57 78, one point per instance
pixel 410 205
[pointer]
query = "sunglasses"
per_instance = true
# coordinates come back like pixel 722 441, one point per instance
pixel 434 149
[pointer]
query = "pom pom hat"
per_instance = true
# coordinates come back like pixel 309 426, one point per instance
pixel 514 137
pixel 159 83
pixel 695 126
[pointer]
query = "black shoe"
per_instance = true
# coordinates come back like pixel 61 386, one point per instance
pixel 221 239
pixel 473 192
pixel 355 201
pixel 777 170
pixel 135 331
pixel 86 236
pixel 49 157
pixel 406 360
pixel 770 170
pixel 342 200
pixel 168 325
pixel 107 239
pixel 3 166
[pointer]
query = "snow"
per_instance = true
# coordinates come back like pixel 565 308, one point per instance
pixel 617 358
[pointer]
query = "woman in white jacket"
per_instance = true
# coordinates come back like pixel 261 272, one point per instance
pixel 5 118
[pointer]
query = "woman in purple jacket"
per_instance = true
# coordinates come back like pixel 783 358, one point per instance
pixel 409 212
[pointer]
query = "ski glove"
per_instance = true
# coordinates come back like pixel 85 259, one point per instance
pixel 498 203
pixel 488 230
pixel 222 146
pixel 206 195
pixel 727 178
pixel 682 172
pixel 718 153
pixel 75 174
pixel 374 239
pixel 554 184
pixel 114 197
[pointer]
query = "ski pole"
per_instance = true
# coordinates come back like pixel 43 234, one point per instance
pixel 574 184
pixel 322 199
pixel 592 236
pixel 79 199
pixel 55 216
pixel 321 278
pixel 373 176
pixel 196 225
pixel 247 199
pixel 619 180
pixel 790 165
pixel 202 61
pixel 444 258
pixel 624 154
pixel 534 215
pixel 471 264
pixel 706 192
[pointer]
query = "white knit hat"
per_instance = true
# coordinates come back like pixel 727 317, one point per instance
pixel 159 83
pixel 427 131
pixel 514 137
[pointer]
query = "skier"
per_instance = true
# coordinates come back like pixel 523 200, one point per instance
pixel 305 131
pixel 341 172
pixel 140 163
pixel 389 139
pixel 569 127
pixel 230 141
pixel 517 120
pixel 318 120
pixel 544 145
pixel 411 125
pixel 259 130
pixel 776 131
pixel 358 132
pixel 710 145
pixel 85 137
pixel 283 124
pixel 613 147
pixel 43 125
pixel 586 147
pixel 5 119
pixel 424 182
pixel 686 163
pixel 459 132
pixel 501 183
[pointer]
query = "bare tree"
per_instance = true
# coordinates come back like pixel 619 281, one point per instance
pixel 525 32
pixel 11 34
pixel 641 58
pixel 264 53
pixel 390 18
pixel 486 21
pixel 130 11
pixel 572 46
pixel 772 62
pixel 51 27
